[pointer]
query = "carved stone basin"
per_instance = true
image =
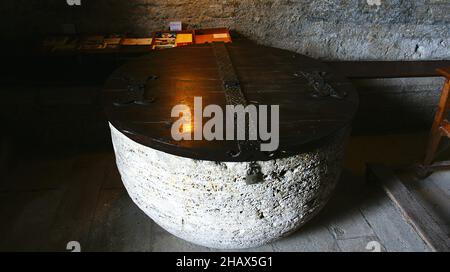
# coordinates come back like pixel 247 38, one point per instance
pixel 207 192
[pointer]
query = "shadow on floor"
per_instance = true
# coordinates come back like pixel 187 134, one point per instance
pixel 82 199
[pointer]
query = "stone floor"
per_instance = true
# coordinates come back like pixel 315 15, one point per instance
pixel 47 201
pixel 59 183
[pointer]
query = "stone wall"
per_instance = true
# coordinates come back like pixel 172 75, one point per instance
pixel 326 29
pixel 392 104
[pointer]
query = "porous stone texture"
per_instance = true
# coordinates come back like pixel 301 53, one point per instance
pixel 326 29
pixel 210 204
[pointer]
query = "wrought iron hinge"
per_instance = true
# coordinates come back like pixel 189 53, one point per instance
pixel 320 86
pixel 137 92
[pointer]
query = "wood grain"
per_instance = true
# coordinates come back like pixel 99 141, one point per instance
pixel 176 76
pixel 412 211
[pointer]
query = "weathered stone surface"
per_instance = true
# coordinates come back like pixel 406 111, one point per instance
pixel 209 203
pixel 333 29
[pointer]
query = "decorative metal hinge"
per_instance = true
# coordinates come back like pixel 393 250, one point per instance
pixel 137 92
pixel 320 87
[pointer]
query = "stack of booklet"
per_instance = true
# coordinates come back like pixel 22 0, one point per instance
pixel 164 40
pixel 212 35
pixel 137 41
pixel 160 40
pixel 113 41
pixel 93 42
pixel 184 39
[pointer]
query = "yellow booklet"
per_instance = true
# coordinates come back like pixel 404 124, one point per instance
pixel 184 38
pixel 138 41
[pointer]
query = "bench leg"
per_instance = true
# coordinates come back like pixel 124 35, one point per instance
pixel 436 132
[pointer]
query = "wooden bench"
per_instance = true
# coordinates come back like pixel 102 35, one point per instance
pixel 408 69
pixel 388 69
pixel 414 213
pixel 440 128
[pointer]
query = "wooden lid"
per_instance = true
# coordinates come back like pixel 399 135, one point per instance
pixel 314 102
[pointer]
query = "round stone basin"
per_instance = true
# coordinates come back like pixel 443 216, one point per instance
pixel 227 194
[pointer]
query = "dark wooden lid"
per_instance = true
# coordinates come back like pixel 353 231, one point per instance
pixel 315 103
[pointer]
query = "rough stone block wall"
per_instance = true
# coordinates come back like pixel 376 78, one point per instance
pixel 324 29
pixel 327 29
